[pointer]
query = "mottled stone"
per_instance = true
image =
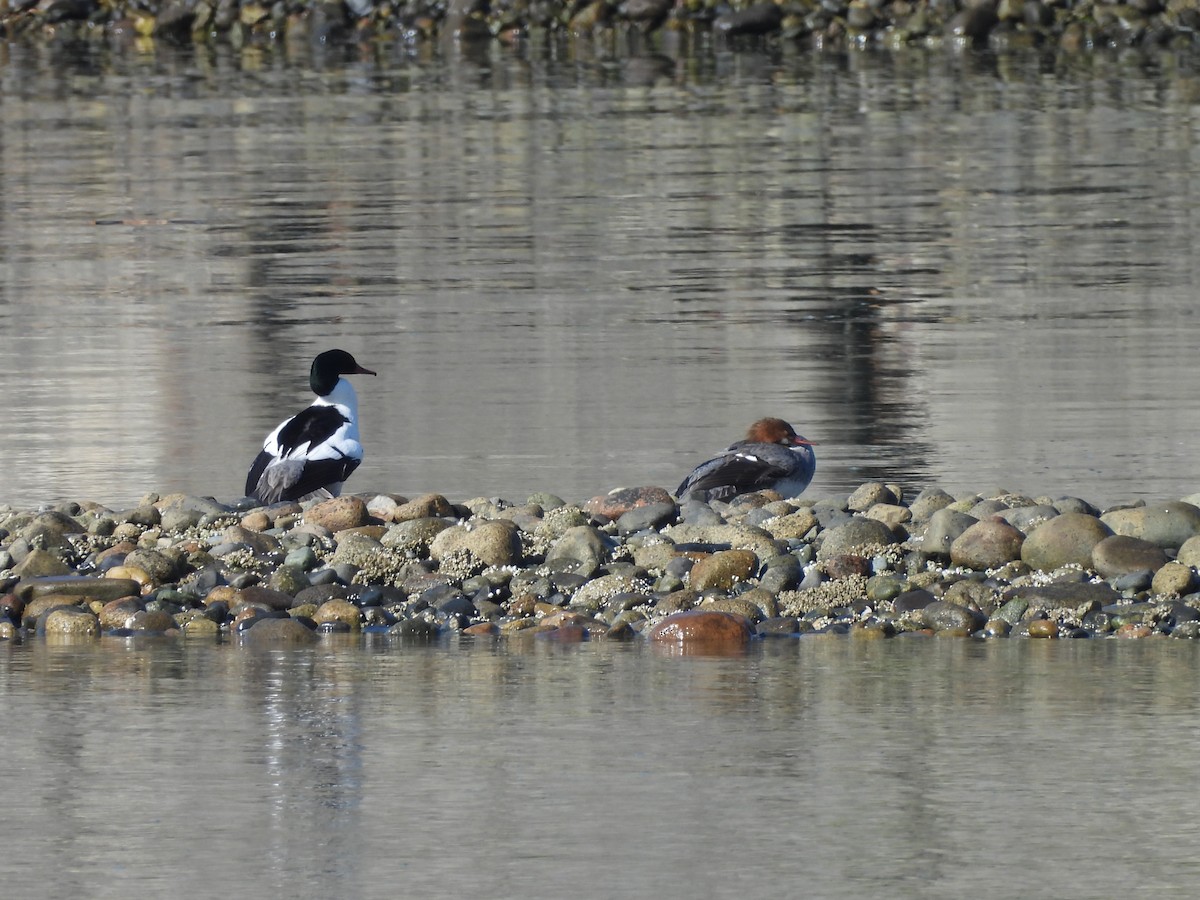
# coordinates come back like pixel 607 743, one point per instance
pixel 41 564
pixel 616 503
pixel 944 528
pixel 584 544
pixel 426 506
pixel 847 565
pixel 258 542
pixel 1173 578
pixel 1119 555
pixel 1067 539
pixel 338 513
pixel 927 502
pixel 942 616
pixel 151 622
pixel 987 544
pixel 117 613
pixel 853 536
pixel 710 538
pixel 69 621
pixel 722 570
pixel 338 611
pixel 792 526
pixel 1189 552
pixel 494 543
pixel 891 514
pixel 355 549
pixel 869 494
pixel 414 534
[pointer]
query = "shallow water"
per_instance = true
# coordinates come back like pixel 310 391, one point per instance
pixel 922 768
pixel 576 270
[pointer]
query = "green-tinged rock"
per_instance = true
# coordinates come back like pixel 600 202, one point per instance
pixel 722 570
pixel 1167 524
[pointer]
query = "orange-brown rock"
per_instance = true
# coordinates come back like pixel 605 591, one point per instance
pixel 702 627
pixel 338 514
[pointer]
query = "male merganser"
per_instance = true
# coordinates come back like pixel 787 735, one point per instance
pixel 314 451
pixel 772 457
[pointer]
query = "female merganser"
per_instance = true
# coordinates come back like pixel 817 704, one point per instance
pixel 772 457
pixel 314 451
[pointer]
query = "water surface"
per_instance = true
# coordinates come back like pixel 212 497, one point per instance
pixel 577 270
pixel 363 768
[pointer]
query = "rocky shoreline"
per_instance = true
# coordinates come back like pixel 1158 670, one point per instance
pixel 629 565
pixel 1000 24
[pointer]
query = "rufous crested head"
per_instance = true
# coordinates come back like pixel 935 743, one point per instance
pixel 775 431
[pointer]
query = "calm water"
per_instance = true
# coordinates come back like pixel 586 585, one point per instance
pixel 576 271
pixel 818 768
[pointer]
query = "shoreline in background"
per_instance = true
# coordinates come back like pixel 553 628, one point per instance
pixel 995 24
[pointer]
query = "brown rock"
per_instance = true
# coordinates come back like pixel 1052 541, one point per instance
pixel 987 545
pixel 697 627
pixel 338 611
pixel 847 565
pixel 39 564
pixel 256 521
pixel 269 632
pixel 117 613
pixel 70 621
pixel 424 507
pixel 1120 555
pixel 264 596
pixel 1043 628
pixel 338 514
pixel 152 622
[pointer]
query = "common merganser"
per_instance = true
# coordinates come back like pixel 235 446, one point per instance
pixel 314 451
pixel 772 457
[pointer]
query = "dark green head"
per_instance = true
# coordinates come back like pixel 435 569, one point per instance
pixel 331 365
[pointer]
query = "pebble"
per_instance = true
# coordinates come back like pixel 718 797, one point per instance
pixel 629 565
